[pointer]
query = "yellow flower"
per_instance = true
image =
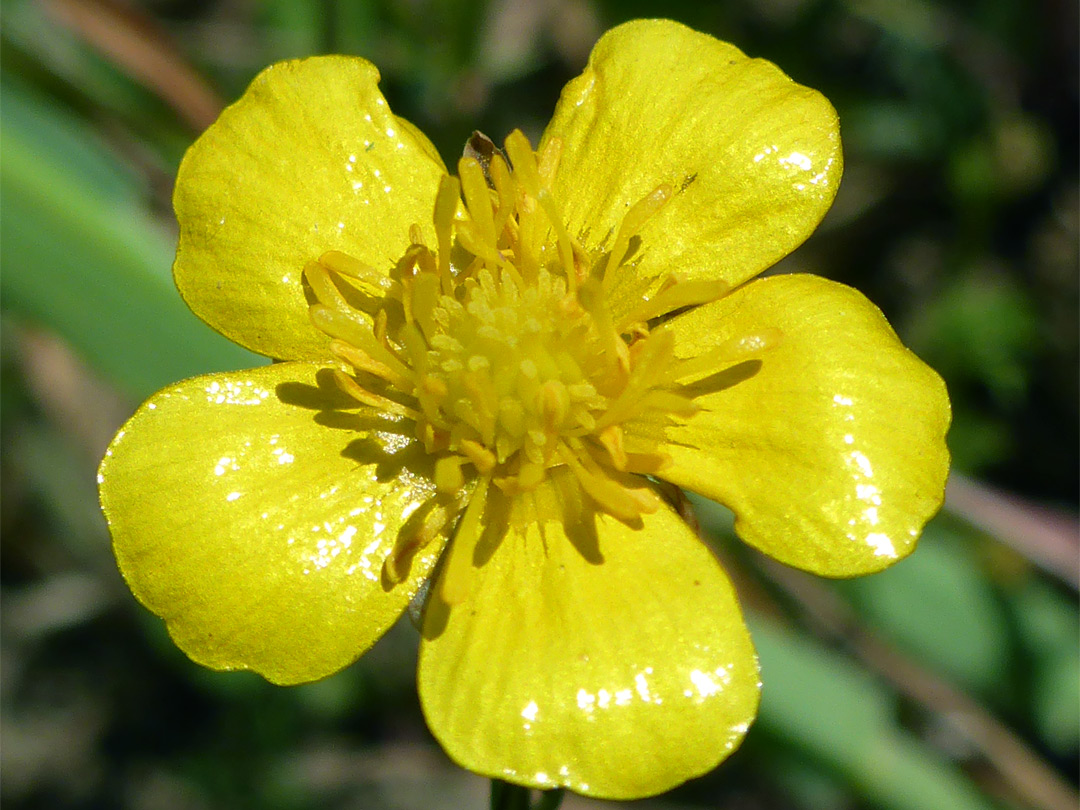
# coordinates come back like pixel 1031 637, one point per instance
pixel 493 380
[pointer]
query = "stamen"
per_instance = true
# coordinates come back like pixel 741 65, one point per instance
pixel 351 387
pixel 524 160
pixel 326 292
pixel 612 440
pixel 566 245
pixel 350 326
pixel 676 294
pixel 526 167
pixel 372 281
pixel 478 198
pixel 421 301
pixel 362 361
pixel 591 298
pixel 647 463
pixel 478 243
pixel 554 403
pixel 640 213
pixel 396 566
pixel 728 353
pixel 448 475
pixel 623 502
pixel 482 458
pixel 504 187
pixel 649 359
pixel 446 204
pixel 669 402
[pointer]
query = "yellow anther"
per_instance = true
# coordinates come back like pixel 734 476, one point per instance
pixel 371 280
pixel 478 243
pixel 669 402
pixel 381 336
pixel 447 200
pixel 554 402
pixel 420 301
pixel 482 458
pixel 640 213
pixel 647 463
pixel 456 574
pixel 397 563
pixel 565 243
pixel 530 475
pixel 483 404
pixel 434 387
pixel 434 438
pixel 396 566
pixel 504 187
pixel 528 170
pixel 478 198
pixel 524 161
pixel 612 440
pixel 649 359
pixel 414 347
pixel 448 474
pixel 326 292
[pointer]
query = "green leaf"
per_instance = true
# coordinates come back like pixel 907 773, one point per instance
pixel 1047 622
pixel 937 606
pixel 837 714
pixel 82 256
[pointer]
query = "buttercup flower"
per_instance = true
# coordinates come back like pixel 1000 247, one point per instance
pixel 493 384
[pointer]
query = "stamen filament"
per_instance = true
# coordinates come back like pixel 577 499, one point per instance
pixel 728 353
pixel 351 327
pixel 362 361
pixel 640 213
pixel 454 582
pixel 351 387
pixel 676 295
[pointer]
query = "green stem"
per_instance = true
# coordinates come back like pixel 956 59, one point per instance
pixel 505 796
pixel 549 799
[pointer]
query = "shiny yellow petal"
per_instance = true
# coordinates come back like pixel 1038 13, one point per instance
pixel 830 445
pixel 256 524
pixel 615 663
pixel 310 159
pixel 753 157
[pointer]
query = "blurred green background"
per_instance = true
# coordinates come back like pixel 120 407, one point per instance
pixel 950 681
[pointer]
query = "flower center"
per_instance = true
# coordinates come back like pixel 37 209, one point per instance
pixel 497 350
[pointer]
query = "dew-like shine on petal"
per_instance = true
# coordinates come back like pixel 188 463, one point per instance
pixel 257 533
